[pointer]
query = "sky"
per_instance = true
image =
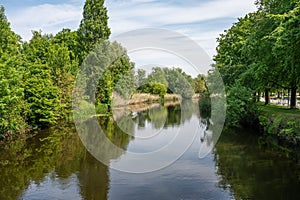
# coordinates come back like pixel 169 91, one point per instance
pixel 199 20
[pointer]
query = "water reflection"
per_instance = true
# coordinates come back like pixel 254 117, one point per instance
pixel 252 172
pixel 55 165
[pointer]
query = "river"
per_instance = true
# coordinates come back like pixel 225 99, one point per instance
pixel 54 164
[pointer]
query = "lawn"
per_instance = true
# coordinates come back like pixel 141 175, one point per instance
pixel 276 110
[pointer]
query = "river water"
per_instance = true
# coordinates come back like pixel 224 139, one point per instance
pixel 54 164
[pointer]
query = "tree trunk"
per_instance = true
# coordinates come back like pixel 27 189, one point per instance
pixel 267 97
pixel 258 96
pixel 293 97
pixel 289 98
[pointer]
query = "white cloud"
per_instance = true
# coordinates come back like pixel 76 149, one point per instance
pixel 186 18
pixel 47 17
pixel 201 20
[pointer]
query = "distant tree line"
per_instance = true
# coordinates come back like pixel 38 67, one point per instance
pixel 170 80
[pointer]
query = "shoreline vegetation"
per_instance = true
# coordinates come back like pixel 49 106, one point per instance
pixel 258 54
pixel 146 98
pixel 280 125
pixel 37 77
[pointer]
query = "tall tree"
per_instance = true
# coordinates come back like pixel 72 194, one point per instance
pixel 93 26
pixel 286 48
pixel 12 108
pixel 230 59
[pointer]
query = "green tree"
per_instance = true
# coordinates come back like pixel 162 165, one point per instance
pixel 155 88
pixel 286 49
pixel 12 108
pixel 41 96
pixel 93 26
pixel 157 76
pixel 230 59
pixel 103 68
pixel 9 41
pixel 69 38
pixel 179 82
pixel 199 84
pixel 62 69
pixel 141 77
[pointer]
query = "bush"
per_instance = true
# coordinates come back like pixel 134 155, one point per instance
pixel 241 107
pixel 155 88
pixel 285 129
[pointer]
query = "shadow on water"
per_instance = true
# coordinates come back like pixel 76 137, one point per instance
pixel 55 165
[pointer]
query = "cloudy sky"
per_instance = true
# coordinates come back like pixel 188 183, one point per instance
pixel 200 20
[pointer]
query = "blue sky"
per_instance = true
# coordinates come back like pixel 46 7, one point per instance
pixel 200 20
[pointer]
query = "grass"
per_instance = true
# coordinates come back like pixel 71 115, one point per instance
pixel 275 110
pixel 282 124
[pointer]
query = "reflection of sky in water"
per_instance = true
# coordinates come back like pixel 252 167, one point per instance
pixel 54 188
pixel 188 173
pixel 187 178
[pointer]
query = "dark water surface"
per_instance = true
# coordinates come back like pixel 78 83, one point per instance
pixel 54 164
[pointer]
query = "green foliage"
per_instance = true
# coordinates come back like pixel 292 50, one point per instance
pixel 12 108
pixel 154 88
pixel 36 51
pixel 174 79
pixel 93 27
pixel 127 85
pixel 259 53
pixel 104 67
pixel 282 124
pixel 157 76
pixel 285 129
pixel 37 77
pixel 41 96
pixel 69 38
pixel 199 84
pixel 8 39
pixel 141 77
pixel 241 108
pixel 179 82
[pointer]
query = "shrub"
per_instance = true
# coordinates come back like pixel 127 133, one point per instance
pixel 155 88
pixel 241 107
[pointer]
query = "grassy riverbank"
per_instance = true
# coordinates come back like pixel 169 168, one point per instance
pixel 282 123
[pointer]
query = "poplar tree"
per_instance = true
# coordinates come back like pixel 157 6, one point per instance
pixel 93 26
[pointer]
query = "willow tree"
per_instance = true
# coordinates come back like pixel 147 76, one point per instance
pixel 93 26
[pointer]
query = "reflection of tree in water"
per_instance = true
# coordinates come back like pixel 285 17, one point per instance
pixel 141 118
pixel 25 161
pixel 93 175
pixel 61 153
pixel 187 110
pixel 93 179
pixel 166 116
pixel 253 173
pixel 117 132
pixel 174 116
pixel 158 116
pixel 58 154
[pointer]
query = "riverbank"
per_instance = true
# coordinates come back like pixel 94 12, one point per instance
pixel 145 98
pixel 281 123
